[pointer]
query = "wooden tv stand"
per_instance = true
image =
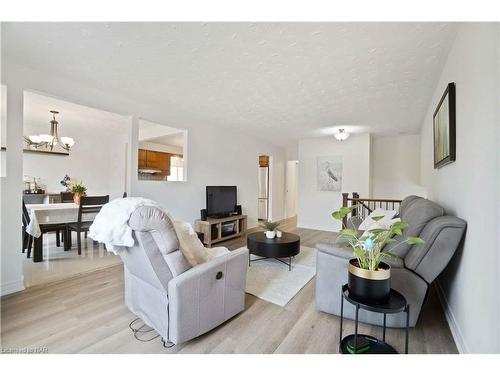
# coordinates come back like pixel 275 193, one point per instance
pixel 212 228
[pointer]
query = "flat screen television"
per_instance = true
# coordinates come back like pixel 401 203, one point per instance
pixel 221 200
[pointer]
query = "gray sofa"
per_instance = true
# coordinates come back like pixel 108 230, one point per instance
pixel 411 274
pixel 179 301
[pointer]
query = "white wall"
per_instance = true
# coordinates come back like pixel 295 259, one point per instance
pixel 469 187
pixel 3 129
pixel 291 187
pixel 498 62
pixel 11 196
pixel 315 207
pixel 216 156
pixel 396 166
pixel 292 151
pixel 97 158
pixel 219 157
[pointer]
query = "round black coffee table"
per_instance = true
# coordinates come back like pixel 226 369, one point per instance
pixel 285 247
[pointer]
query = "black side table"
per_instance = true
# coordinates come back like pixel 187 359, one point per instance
pixel 395 304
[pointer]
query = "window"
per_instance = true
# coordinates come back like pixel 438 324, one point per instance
pixel 176 169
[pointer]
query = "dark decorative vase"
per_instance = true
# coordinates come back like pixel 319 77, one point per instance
pixel 373 287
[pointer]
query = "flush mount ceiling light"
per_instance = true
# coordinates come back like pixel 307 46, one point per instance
pixel 341 135
pixel 49 141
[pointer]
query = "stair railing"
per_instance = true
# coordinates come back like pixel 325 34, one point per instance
pixel 367 205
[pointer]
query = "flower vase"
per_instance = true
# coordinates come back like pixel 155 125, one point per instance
pixel 270 234
pixel 76 198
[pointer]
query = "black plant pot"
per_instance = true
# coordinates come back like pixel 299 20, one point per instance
pixel 373 287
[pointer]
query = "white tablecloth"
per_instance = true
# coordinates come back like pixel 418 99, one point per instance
pixel 53 213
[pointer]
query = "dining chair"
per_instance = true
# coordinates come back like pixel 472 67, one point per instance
pixel 29 241
pixel 88 205
pixel 66 197
pixel 27 238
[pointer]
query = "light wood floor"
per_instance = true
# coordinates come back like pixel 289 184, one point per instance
pixel 86 314
pixel 59 265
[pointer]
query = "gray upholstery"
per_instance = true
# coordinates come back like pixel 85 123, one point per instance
pixel 406 202
pixel 177 263
pixel 179 301
pixel 331 274
pixel 147 264
pixel 417 212
pixel 199 302
pixel 155 221
pixel 442 236
pixel 411 274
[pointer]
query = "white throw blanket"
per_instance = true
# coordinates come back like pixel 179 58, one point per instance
pixel 111 227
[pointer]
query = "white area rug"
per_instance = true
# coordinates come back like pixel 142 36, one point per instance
pixel 270 280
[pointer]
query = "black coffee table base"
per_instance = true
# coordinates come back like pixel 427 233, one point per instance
pixel 289 264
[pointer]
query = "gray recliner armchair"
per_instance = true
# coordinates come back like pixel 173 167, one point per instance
pixel 411 274
pixel 179 301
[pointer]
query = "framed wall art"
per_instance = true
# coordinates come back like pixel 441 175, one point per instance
pixel 444 123
pixel 329 173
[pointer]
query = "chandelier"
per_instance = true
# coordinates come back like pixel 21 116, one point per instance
pixel 49 141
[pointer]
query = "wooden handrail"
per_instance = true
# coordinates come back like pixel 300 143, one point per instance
pixel 366 205
pixel 375 200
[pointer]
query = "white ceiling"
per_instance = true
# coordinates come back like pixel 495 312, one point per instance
pixel 161 134
pixel 176 140
pixel 284 80
pixel 149 130
pixel 73 118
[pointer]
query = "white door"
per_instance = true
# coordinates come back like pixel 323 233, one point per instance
pixel 291 184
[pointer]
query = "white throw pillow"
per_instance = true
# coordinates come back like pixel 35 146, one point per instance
pixel 384 223
pixel 190 244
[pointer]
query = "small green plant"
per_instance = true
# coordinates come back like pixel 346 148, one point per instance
pixel 368 248
pixel 78 188
pixel 270 225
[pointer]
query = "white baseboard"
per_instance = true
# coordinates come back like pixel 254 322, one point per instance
pixel 12 287
pixel 456 332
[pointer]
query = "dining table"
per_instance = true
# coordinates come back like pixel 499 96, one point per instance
pixel 51 213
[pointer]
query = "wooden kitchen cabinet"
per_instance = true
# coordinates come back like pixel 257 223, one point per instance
pixel 142 158
pixel 155 160
pixel 164 162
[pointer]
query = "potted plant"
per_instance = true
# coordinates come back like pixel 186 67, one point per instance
pixel 78 190
pixel 270 227
pixel 369 278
